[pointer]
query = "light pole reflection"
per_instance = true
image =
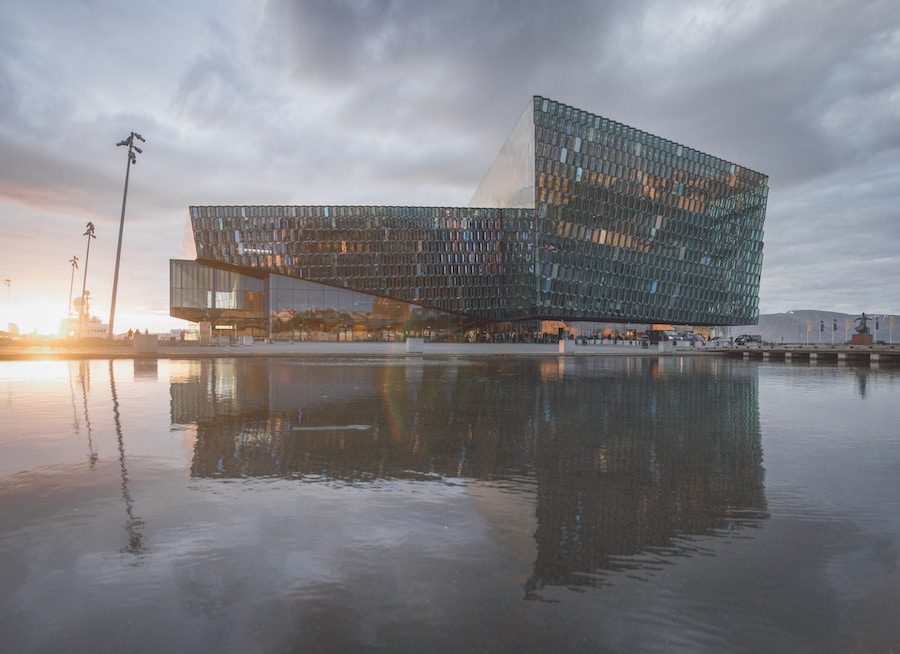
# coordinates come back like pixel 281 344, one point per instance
pixel 84 374
pixel 133 524
pixel 76 423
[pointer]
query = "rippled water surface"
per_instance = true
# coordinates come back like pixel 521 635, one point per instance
pixel 603 504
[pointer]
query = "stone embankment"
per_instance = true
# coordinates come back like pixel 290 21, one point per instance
pixel 125 350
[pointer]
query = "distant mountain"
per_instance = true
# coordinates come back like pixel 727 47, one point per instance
pixel 791 327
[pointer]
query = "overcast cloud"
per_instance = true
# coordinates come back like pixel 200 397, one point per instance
pixel 389 102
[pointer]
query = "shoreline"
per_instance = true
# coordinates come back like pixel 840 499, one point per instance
pixel 329 348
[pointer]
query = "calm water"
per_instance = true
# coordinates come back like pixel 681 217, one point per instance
pixel 619 504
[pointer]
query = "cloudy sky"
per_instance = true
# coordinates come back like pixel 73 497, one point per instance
pixel 393 102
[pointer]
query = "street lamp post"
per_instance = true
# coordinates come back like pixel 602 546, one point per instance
pixel 74 263
pixel 89 232
pixel 132 159
pixel 8 284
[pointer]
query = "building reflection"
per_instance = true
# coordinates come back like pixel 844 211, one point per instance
pixel 624 456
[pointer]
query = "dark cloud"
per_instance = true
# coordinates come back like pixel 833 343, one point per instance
pixel 401 102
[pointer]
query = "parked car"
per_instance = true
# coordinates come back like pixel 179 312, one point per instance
pixel 748 339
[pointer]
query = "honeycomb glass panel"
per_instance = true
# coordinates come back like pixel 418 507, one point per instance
pixel 578 218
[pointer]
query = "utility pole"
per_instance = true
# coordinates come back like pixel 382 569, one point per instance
pixel 132 159
pixel 89 232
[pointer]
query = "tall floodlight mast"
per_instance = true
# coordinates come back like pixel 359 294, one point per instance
pixel 132 159
pixel 89 232
pixel 74 263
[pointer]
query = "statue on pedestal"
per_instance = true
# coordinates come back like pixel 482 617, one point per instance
pixel 862 335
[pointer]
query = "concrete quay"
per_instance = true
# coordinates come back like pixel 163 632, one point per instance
pixel 842 353
pixel 122 350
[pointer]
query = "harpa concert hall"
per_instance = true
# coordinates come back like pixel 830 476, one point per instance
pixel 579 218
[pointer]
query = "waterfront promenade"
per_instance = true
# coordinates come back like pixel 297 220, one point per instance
pixel 124 350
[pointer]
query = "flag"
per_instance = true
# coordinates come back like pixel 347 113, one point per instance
pixel 892 321
pixel 877 324
pixel 847 324
pixel 821 326
pixel 809 326
pixel 834 324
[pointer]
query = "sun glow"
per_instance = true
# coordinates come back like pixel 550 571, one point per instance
pixel 37 315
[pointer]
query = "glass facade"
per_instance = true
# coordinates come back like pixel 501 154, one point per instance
pixel 585 219
pixel 284 307
pixel 468 261
pixel 632 227
pixel 202 293
pixel 310 311
pixel 509 182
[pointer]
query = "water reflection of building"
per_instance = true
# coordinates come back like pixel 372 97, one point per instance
pixel 625 454
pixel 667 453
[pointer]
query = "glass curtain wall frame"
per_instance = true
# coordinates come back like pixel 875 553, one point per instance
pixel 636 228
pixel 233 301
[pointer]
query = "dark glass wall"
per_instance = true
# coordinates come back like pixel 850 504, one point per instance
pixel 632 227
pixel 288 308
pixel 310 311
pixel 202 293
pixel 469 261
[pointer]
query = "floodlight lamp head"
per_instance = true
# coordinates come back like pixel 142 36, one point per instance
pixel 138 150
pixel 122 142
pixel 138 137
